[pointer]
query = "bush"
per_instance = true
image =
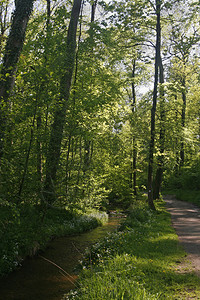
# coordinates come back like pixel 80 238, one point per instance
pixel 188 178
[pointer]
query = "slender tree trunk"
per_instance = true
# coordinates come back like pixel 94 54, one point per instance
pixel 72 158
pixel 73 125
pixel 177 152
pixel 134 167
pixel 79 170
pixel 27 156
pixel 134 143
pixel 182 151
pixel 54 149
pixel 88 141
pixel 94 5
pixel 42 89
pixel 153 110
pixel 13 50
pixel 159 171
pixel 48 32
pixel 39 153
pixel 67 164
pixel 48 13
pixel 86 156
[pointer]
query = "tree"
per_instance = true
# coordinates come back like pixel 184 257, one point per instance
pixel 88 139
pixel 134 150
pixel 153 110
pixel 54 148
pixel 12 53
pixel 160 163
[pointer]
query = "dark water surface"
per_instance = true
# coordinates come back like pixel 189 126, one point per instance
pixel 39 279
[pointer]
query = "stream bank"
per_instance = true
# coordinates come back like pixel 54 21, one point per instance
pixel 51 274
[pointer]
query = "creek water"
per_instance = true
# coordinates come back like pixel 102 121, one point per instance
pixel 51 275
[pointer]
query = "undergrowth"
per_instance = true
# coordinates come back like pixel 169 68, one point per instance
pixel 192 196
pixel 25 229
pixel 137 262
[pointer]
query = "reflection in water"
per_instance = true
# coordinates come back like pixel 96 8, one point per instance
pixel 50 275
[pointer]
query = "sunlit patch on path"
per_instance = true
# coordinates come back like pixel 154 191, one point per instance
pixel 186 221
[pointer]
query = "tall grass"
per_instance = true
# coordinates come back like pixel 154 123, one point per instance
pixel 137 262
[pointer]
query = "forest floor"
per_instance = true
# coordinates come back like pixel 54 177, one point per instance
pixel 186 221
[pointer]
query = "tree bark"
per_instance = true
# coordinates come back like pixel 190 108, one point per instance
pixel 182 151
pixel 134 143
pixel 67 164
pixel 159 171
pixel 27 156
pixel 87 141
pixel 94 5
pixel 87 150
pixel 42 88
pixel 12 53
pixel 153 110
pixel 48 13
pixel 39 153
pixel 54 148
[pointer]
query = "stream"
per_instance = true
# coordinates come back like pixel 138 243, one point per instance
pixel 50 275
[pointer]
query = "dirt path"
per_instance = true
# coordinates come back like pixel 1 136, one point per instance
pixel 186 221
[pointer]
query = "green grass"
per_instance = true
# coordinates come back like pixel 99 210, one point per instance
pixel 138 262
pixel 24 230
pixel 189 196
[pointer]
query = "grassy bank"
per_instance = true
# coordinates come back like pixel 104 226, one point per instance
pixel 138 262
pixel 26 229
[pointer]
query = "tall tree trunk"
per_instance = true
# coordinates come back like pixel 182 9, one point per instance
pixel 73 112
pixel 67 164
pixel 76 190
pixel 39 152
pixel 177 152
pixel 48 13
pixel 13 50
pixel 159 171
pixel 134 143
pixel 87 141
pixel 182 151
pixel 54 149
pixel 48 31
pixel 87 146
pixel 153 110
pixel 27 156
pixel 94 5
pixel 42 89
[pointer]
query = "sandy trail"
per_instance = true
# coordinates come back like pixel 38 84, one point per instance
pixel 186 221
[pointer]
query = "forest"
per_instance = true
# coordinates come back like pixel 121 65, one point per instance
pixel 99 106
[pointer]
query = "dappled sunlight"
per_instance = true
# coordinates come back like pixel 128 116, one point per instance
pixel 144 256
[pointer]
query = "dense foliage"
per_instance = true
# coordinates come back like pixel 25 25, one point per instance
pixel 77 125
